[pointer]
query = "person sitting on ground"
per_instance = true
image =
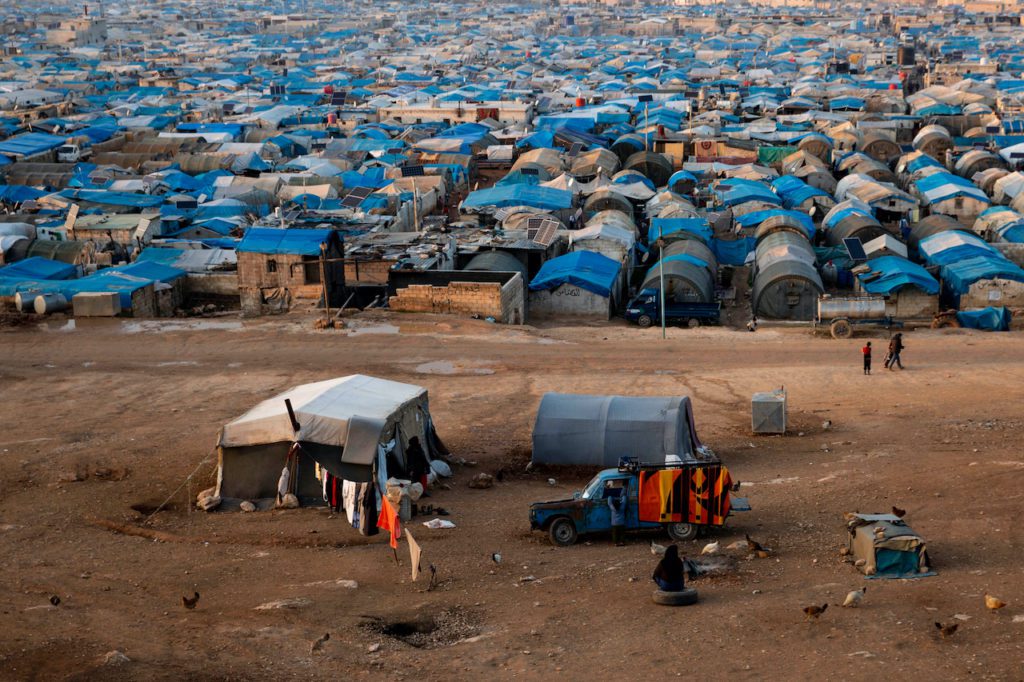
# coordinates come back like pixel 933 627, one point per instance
pixel 752 325
pixel 669 573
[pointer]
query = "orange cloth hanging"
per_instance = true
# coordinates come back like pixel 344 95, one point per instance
pixel 388 521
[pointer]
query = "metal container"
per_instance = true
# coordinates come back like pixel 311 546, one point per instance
pixel 851 307
pixel 50 303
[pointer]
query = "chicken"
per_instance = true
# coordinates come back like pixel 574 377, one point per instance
pixel 754 546
pixel 826 425
pixel 993 603
pixel 946 630
pixel 736 486
pixel 190 603
pixel 854 598
pixel 318 645
pixel 814 612
pixel 55 600
pixel 710 548
pixel 896 511
pixel 657 550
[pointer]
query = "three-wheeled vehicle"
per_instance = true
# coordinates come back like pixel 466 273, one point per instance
pixel 683 499
pixel 645 310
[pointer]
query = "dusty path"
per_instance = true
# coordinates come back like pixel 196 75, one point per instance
pixel 132 408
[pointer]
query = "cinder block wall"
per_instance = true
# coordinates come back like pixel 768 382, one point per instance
pixel 486 299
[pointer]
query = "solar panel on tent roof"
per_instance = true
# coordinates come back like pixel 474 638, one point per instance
pixel 855 249
pixel 646 98
pixel 412 171
pixel 543 102
pixel 338 98
pixel 575 149
pixel 1017 155
pixel 541 230
pixel 356 197
pixel 528 171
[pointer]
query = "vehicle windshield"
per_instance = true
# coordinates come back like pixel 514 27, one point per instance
pixel 593 489
pixel 65 149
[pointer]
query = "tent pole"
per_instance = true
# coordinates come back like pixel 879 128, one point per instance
pixel 323 280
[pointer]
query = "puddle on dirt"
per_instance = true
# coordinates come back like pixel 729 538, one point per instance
pixel 425 631
pixel 156 327
pixel 66 326
pixel 178 363
pixel 376 329
pixel 448 367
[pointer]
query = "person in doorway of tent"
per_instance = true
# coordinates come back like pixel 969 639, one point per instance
pixel 417 462
pixel 866 351
pixel 752 325
pixel 669 573
pixel 895 348
pixel 617 509
pixel 904 229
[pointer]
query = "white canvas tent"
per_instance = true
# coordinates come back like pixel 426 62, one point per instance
pixel 355 427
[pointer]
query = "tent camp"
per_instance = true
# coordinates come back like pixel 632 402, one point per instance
pixel 357 428
pixel 599 430
pixel 889 548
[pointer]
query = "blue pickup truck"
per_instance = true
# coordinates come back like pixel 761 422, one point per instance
pixel 587 512
pixel 645 310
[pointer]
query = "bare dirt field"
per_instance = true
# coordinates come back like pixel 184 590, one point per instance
pixel 103 421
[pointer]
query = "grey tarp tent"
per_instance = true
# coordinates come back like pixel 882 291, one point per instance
pixel 346 425
pixel 598 430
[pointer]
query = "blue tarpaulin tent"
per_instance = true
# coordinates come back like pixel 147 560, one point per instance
pixel 38 268
pixel 889 273
pixel 586 269
pixel 989 319
pixel 959 276
pixel 666 226
pixel 546 198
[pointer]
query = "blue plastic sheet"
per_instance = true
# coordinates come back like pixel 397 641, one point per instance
pixel 588 270
pixel 989 319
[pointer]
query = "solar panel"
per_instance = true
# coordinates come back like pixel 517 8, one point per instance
pixel 412 171
pixel 855 249
pixel 545 233
pixel 338 98
pixel 543 102
pixel 575 149
pixel 356 197
pixel 394 150
pixel 1017 155
pixel 646 98
pixel 528 171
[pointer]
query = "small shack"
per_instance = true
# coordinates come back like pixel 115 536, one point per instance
pixel 886 547
pixel 357 428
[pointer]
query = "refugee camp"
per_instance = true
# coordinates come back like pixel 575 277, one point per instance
pixel 511 341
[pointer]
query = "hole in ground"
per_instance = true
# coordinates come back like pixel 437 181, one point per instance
pixel 425 631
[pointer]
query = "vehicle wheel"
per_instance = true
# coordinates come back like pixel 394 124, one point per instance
pixel 562 532
pixel 841 329
pixel 693 323
pixel 644 321
pixel 682 598
pixel 682 532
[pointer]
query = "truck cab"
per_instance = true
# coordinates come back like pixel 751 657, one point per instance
pixel 645 310
pixel 588 512
pixel 72 153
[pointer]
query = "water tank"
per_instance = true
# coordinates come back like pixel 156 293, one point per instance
pixel 25 301
pixel 906 55
pixel 852 307
pixel 45 304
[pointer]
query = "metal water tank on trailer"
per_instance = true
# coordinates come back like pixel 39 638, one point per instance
pixel 851 307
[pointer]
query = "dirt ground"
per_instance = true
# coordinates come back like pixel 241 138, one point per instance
pixel 104 420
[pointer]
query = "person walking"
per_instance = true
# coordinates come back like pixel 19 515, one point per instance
pixel 895 348
pixel 617 507
pixel 866 351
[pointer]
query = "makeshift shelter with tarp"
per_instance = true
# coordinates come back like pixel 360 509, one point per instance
pixel 888 547
pixel 599 430
pixel 357 428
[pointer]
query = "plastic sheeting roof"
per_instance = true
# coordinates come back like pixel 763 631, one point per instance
pixel 948 247
pixel 588 270
pixel 889 273
pixel 959 276
pixel 38 268
pixel 30 144
pixel 323 409
pixel 546 198
pixel 273 240
pixel 598 430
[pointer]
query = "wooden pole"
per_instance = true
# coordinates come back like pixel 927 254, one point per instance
pixel 323 280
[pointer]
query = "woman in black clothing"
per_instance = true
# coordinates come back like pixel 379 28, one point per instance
pixel 669 573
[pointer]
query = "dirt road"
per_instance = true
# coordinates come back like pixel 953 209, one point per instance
pixel 104 421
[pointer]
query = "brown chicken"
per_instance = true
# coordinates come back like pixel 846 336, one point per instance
pixel 896 511
pixel 946 630
pixel 993 603
pixel 754 545
pixel 814 612
pixel 190 603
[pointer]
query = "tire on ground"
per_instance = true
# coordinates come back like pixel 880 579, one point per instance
pixel 682 598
